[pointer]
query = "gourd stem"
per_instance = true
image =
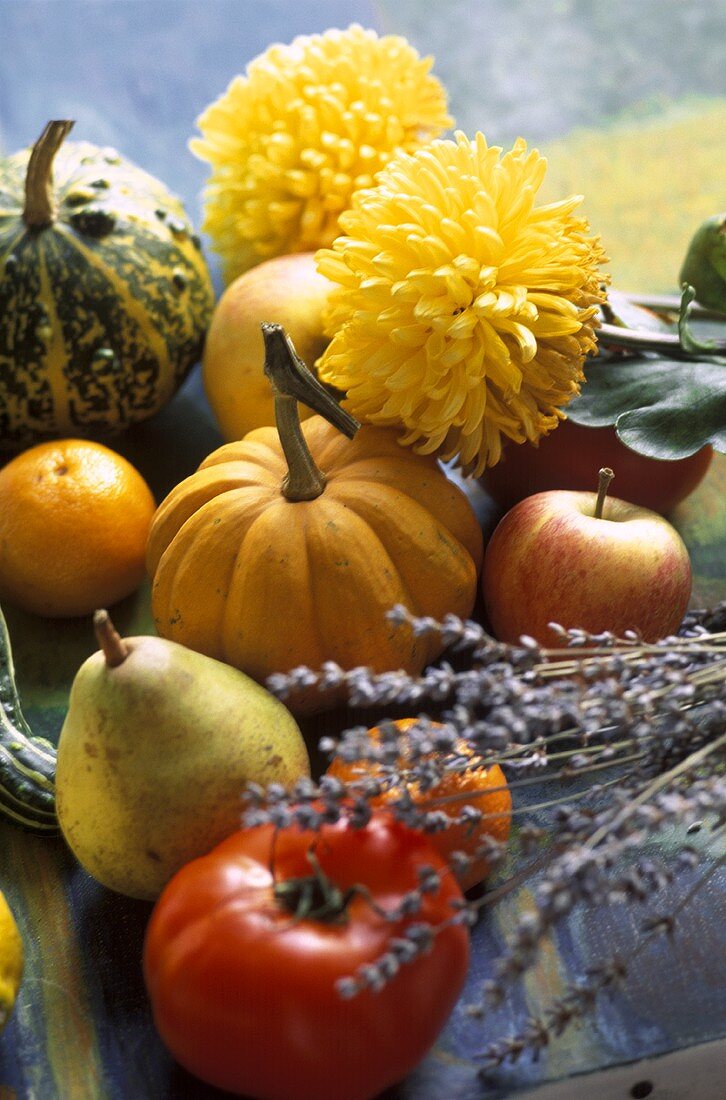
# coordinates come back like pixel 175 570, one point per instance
pixel 291 382
pixel 114 648
pixel 39 210
pixel 605 476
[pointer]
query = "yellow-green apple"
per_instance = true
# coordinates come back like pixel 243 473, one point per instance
pixel 566 458
pixel 287 290
pixel 584 560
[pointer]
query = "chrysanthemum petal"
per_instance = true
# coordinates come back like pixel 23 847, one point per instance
pixel 483 304
pixel 307 125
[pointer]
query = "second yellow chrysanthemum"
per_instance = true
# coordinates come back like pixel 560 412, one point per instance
pixel 308 124
pixel 462 310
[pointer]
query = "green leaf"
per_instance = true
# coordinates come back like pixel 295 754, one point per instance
pixel 663 408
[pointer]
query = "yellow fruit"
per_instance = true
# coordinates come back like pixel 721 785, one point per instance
pixel 155 753
pixel 287 290
pixel 11 961
pixel 74 518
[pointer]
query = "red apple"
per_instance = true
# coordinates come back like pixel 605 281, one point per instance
pixel 553 559
pixel 288 290
pixel 566 458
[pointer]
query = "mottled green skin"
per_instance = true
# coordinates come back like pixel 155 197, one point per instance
pixel 27 763
pixel 103 313
pixel 704 267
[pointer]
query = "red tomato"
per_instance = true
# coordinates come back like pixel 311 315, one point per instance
pixel 244 993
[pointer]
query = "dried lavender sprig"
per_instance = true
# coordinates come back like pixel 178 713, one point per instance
pixel 415 765
pixel 690 764
pixel 414 941
pixel 581 995
pixel 646 736
pixel 660 699
pixel 438 684
pixel 581 871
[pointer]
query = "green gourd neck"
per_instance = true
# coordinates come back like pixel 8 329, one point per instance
pixel 39 211
pixel 27 762
pixel 291 383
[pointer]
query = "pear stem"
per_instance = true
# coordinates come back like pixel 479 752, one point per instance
pixel 291 381
pixel 109 640
pixel 605 476
pixel 39 210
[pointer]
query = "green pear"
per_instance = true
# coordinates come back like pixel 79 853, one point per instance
pixel 154 755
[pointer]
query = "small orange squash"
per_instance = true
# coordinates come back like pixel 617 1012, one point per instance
pixel 261 560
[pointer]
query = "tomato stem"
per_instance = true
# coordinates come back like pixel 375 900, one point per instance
pixel 315 896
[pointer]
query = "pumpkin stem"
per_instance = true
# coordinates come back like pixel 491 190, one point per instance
pixel 291 382
pixel 39 210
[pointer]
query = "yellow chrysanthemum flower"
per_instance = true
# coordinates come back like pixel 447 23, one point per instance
pixel 310 123
pixel 463 311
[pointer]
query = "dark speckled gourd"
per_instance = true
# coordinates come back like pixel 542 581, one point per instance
pixel 105 295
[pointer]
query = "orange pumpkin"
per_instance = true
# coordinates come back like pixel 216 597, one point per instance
pixel 262 561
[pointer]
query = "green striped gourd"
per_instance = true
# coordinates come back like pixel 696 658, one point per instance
pixel 105 295
pixel 27 763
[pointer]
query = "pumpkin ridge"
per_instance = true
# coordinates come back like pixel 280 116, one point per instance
pixel 86 322
pixel 388 510
pixel 55 356
pixel 359 468
pixel 182 503
pixel 315 632
pixel 132 307
pixel 453 511
pixel 263 450
pixel 333 451
pixel 251 569
pixel 370 580
pixel 194 574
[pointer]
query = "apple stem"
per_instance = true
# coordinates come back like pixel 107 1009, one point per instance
pixel 109 640
pixel 605 476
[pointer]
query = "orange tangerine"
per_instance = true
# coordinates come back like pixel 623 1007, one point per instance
pixel 483 787
pixel 74 520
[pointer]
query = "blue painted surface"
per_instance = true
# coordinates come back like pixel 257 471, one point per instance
pixel 136 74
